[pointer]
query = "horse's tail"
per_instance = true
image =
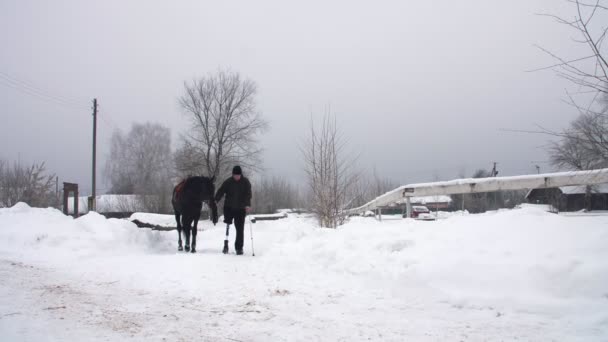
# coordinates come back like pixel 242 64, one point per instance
pixel 214 214
pixel 178 189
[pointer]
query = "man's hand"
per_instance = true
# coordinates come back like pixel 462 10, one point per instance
pixel 247 210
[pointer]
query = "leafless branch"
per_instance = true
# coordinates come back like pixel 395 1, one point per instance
pixel 224 125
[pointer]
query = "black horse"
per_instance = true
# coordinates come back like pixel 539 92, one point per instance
pixel 187 200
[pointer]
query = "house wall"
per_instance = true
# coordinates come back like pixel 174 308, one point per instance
pixel 568 202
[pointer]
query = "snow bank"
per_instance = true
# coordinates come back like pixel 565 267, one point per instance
pixel 48 233
pixel 519 258
pixel 546 273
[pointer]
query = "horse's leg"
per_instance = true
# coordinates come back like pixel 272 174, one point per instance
pixel 187 226
pixel 194 231
pixel 179 231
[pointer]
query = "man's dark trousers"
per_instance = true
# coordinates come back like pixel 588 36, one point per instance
pixel 238 215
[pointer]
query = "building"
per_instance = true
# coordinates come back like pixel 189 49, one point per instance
pixel 572 198
pixel 440 202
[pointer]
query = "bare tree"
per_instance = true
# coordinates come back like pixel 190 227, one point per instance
pixel 369 186
pixel 140 163
pixel 583 144
pixel 330 172
pixel 275 193
pixel 590 70
pixel 30 184
pixel 224 125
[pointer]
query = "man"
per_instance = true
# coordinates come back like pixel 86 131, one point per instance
pixel 236 206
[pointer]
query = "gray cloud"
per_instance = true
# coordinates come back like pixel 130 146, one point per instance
pixel 422 89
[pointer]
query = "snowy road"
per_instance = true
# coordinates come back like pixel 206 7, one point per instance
pixel 515 275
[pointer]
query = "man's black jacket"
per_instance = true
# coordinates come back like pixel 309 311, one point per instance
pixel 238 193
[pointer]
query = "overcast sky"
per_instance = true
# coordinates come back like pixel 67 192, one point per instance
pixel 424 90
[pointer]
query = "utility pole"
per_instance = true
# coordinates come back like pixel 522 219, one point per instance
pixel 494 174
pixel 57 191
pixel 494 171
pixel 92 203
pixel 537 169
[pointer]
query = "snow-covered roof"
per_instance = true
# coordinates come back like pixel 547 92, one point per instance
pixel 429 199
pixel 490 184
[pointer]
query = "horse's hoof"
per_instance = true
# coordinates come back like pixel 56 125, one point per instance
pixel 193 250
pixel 180 248
pixel 187 248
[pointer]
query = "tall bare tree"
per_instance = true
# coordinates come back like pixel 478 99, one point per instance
pixel 583 145
pixel 590 70
pixel 224 125
pixel 330 172
pixel 140 163
pixel 30 184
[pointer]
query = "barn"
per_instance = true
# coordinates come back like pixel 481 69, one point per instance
pixel 572 198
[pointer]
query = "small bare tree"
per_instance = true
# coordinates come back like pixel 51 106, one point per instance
pixel 369 186
pixel 330 172
pixel 140 163
pixel 224 125
pixel 29 184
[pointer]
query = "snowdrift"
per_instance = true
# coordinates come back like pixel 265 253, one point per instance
pixel 48 233
pixel 527 264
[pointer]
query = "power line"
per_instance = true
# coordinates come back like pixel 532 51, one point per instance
pixel 39 96
pixel 74 100
pixel 38 93
pixel 108 119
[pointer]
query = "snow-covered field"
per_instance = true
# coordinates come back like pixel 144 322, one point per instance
pixel 520 275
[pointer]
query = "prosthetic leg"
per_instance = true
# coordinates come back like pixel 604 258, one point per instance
pixel 225 250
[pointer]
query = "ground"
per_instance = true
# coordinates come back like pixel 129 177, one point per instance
pixel 522 274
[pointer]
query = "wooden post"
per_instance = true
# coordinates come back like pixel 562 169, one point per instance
pixel 463 197
pixel 93 181
pixel 76 211
pixel 408 207
pixel 65 200
pixel 67 189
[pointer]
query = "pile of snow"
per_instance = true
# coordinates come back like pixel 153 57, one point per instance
pixel 269 216
pixel 48 233
pixel 512 274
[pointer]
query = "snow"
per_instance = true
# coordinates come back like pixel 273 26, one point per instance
pixel 508 275
pixel 270 216
pixel 430 199
pixel 155 219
